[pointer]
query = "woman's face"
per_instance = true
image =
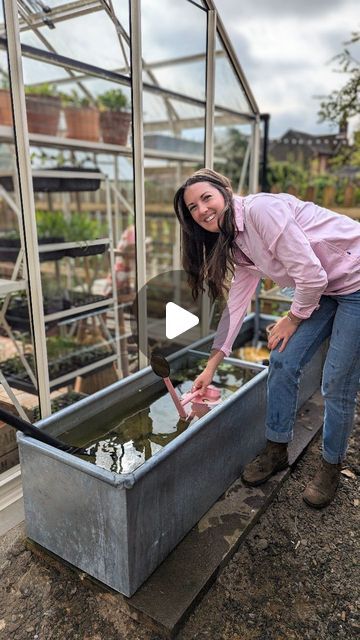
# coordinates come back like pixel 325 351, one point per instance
pixel 206 205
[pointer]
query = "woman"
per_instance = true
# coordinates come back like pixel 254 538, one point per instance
pixel 296 244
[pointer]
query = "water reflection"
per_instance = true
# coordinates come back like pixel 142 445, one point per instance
pixel 124 443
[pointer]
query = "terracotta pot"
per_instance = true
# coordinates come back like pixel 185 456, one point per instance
pixel 5 108
pixel 82 123
pixel 43 114
pixel 115 126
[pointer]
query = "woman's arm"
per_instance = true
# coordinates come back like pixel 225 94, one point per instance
pixel 241 291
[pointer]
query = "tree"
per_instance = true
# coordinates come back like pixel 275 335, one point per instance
pixel 283 175
pixel 341 105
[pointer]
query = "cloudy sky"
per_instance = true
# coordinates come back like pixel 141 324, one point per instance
pixel 285 48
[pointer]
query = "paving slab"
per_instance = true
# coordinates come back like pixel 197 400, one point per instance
pixel 171 593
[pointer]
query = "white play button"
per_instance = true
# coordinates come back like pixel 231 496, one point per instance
pixel 178 320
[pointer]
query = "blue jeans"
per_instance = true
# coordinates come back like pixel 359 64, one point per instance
pixel 338 317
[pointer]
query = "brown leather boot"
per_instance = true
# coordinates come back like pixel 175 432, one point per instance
pixel 322 488
pixel 274 458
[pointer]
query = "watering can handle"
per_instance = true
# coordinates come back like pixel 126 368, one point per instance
pixel 190 397
pixel 29 430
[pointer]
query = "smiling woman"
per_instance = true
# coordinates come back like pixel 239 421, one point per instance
pixel 203 206
pixel 296 244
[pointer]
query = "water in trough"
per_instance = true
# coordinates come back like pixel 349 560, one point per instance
pixel 123 442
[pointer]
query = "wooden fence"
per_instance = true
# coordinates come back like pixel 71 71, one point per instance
pixel 325 196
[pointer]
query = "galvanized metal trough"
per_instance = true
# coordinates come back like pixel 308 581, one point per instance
pixel 119 528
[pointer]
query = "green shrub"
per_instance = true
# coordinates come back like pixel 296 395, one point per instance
pixel 50 224
pixel 114 100
pixel 73 99
pixel 82 227
pixel 45 89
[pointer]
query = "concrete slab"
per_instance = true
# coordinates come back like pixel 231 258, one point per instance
pixel 171 593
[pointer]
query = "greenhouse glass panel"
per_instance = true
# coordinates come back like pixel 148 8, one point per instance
pixel 174 46
pixel 16 343
pixel 79 31
pixel 83 189
pixel 228 90
pixel 183 122
pixel 232 143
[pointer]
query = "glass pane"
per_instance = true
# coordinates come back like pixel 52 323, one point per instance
pixel 228 90
pixel 174 127
pixel 85 231
pixel 16 344
pixel 79 32
pixel 174 46
pixel 232 140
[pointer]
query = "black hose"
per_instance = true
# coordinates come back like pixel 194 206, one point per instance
pixel 29 430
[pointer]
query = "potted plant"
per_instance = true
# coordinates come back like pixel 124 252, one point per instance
pixel 115 117
pixel 43 106
pixel 5 101
pixel 82 118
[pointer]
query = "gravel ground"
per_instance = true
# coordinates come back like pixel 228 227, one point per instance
pixel 295 577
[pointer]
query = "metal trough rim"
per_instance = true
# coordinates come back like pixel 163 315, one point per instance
pixel 127 480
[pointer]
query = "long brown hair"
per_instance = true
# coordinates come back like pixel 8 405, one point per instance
pixel 207 257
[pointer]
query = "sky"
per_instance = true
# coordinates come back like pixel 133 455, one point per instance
pixel 285 48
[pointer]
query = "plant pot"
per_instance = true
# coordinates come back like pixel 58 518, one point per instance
pixel 82 123
pixel 5 108
pixel 115 126
pixel 43 114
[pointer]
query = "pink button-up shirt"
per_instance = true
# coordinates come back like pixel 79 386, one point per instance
pixel 296 244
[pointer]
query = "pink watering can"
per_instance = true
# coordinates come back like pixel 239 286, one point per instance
pixel 201 402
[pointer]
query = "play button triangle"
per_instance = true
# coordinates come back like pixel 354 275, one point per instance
pixel 178 320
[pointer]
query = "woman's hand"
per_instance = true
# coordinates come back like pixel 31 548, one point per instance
pixel 281 331
pixel 203 380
